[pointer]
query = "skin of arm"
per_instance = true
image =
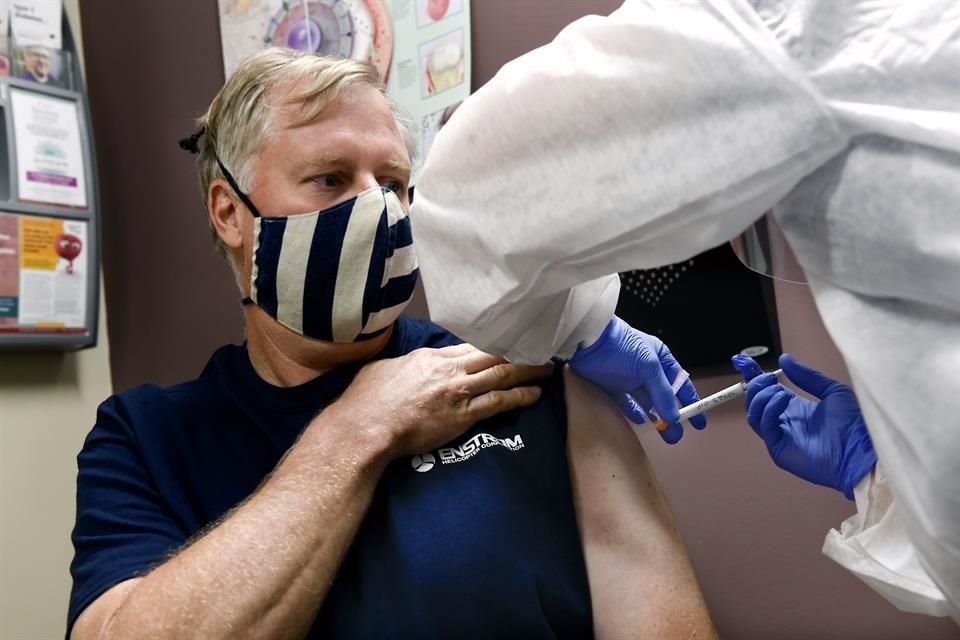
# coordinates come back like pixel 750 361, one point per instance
pixel 264 571
pixel 642 584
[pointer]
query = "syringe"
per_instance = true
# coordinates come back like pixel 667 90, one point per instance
pixel 702 406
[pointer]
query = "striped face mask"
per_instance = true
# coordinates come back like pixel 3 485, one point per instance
pixel 343 274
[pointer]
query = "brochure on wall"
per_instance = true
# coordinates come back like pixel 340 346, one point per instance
pixel 50 165
pixel 37 22
pixel 5 38
pixel 420 47
pixel 43 274
pixel 43 65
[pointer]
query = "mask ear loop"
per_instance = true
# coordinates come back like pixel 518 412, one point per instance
pixel 192 144
pixel 236 188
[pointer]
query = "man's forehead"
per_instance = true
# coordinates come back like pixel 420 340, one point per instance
pixel 357 102
pixel 359 113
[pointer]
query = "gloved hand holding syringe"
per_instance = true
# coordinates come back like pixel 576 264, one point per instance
pixel 702 406
pixel 646 381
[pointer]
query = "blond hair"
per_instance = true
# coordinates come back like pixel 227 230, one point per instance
pixel 241 116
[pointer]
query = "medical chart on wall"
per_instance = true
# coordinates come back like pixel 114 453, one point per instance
pixel 420 47
pixel 43 274
pixel 50 165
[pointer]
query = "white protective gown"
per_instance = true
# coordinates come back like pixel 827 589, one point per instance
pixel 643 138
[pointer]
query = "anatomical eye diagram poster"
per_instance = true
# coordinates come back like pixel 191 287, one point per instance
pixel 420 47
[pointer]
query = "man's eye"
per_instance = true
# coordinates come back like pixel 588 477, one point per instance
pixel 329 180
pixel 394 185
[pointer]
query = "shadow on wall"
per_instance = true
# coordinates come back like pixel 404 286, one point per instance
pixel 31 370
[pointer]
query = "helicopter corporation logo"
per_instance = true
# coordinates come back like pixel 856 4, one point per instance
pixel 424 462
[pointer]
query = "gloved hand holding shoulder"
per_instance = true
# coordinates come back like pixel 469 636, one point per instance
pixel 638 370
pixel 824 442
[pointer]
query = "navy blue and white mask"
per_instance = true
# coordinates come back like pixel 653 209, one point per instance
pixel 342 274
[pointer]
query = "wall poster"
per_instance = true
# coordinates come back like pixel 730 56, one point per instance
pixel 420 47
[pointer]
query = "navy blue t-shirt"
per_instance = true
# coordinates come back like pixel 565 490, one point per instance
pixel 477 539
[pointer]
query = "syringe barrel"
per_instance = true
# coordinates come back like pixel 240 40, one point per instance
pixel 718 398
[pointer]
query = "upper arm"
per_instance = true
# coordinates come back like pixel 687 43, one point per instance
pixel 642 583
pixel 124 526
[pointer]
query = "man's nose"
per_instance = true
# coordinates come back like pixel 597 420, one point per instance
pixel 366 181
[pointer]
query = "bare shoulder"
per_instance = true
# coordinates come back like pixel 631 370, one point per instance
pixel 641 580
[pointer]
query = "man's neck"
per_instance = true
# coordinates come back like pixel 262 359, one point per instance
pixel 286 359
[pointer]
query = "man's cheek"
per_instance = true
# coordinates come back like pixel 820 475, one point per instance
pixel 246 251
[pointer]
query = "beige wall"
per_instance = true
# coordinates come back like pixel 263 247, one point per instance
pixel 47 405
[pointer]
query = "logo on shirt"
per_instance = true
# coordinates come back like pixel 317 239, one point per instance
pixel 451 455
pixel 423 462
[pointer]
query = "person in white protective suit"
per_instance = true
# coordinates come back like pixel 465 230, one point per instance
pixel 643 138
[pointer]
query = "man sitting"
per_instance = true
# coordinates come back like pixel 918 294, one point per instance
pixel 350 472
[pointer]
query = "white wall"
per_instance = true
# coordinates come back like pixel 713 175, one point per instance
pixel 47 406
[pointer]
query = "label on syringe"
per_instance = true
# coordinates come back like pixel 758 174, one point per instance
pixel 720 398
pixel 724 395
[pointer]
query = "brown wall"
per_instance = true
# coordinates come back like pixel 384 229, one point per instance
pixel 753 531
pixel 152 67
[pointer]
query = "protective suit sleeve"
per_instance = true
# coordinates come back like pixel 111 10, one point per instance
pixel 874 545
pixel 630 141
pixel 912 423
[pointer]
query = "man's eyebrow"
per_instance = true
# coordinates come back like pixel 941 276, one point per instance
pixel 325 160
pixel 328 160
pixel 397 165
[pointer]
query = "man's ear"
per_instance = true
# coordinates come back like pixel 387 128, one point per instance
pixel 225 213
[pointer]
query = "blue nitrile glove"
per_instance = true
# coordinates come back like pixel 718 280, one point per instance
pixel 637 370
pixel 824 442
